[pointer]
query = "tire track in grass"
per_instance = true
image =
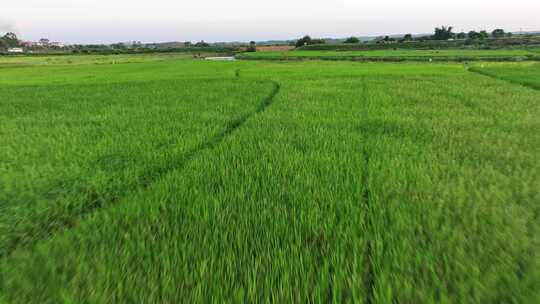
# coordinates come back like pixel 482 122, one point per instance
pixel 369 272
pixel 218 138
pixel 368 278
pixel 97 202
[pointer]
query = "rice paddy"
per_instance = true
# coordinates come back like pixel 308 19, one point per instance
pixel 177 180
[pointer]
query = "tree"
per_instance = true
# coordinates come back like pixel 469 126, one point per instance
pixel 352 40
pixel 3 44
pixel 10 39
pixel 119 46
pixel 303 41
pixel 408 37
pixel 498 33
pixel 484 35
pixel 474 35
pixel 318 41
pixel 509 34
pixel 252 47
pixel 44 42
pixel 385 39
pixel 461 35
pixel 443 33
pixel 202 44
pixel 306 40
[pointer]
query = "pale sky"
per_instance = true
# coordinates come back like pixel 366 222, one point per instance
pixel 105 21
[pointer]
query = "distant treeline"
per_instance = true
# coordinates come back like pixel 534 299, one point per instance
pixel 429 44
pixel 10 40
pixel 208 49
pixel 443 37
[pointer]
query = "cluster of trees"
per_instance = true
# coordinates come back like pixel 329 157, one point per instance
pixel 9 40
pixel 252 47
pixel 387 39
pixel 445 33
pixel 352 40
pixel 202 44
pixel 441 33
pixel 307 40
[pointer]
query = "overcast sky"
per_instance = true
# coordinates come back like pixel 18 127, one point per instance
pixel 91 21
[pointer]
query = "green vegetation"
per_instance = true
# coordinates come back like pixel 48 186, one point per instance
pixel 443 33
pixel 352 40
pixel 199 47
pixel 307 40
pixel 12 61
pixel 164 122
pixel 525 74
pixel 9 40
pixel 400 55
pixel 192 181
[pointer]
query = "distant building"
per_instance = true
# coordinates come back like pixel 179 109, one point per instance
pixel 132 44
pixel 45 43
pixel 15 50
pixel 56 44
pixel 27 43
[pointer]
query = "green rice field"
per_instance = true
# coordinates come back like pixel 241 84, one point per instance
pixel 172 180
pixel 525 74
pixel 20 61
pixel 402 55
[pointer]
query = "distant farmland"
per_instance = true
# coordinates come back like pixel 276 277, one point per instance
pixel 401 55
pixel 275 48
pixel 163 179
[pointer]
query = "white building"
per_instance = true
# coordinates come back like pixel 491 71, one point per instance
pixel 56 44
pixel 15 50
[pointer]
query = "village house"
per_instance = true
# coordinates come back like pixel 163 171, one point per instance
pixel 27 44
pixel 15 50
pixel 56 44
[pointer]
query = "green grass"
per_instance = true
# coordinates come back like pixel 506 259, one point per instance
pixel 526 74
pixel 393 55
pixel 19 61
pixel 268 181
